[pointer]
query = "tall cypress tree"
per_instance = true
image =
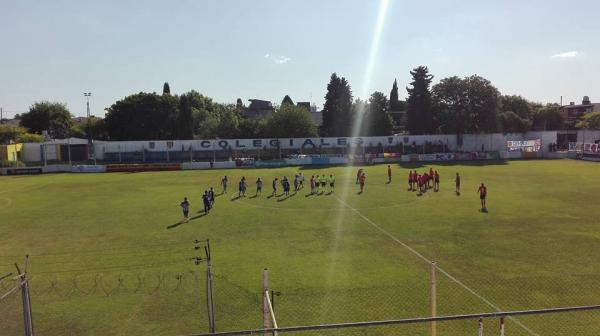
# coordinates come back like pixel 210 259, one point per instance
pixel 337 115
pixel 394 102
pixel 287 100
pixel 419 106
pixel 239 104
pixel 166 89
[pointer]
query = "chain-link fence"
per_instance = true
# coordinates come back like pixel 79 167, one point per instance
pixel 176 302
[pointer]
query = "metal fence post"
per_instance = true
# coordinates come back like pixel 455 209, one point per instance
pixel 480 327
pixel 433 299
pixel 265 291
pixel 27 316
pixel 209 289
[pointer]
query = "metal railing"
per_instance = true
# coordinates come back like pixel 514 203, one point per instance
pixel 317 327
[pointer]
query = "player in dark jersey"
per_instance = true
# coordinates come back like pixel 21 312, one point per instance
pixel 206 202
pixel 224 184
pixel 436 181
pixel 457 184
pixel 211 195
pixel 389 172
pixel 259 185
pixel 185 207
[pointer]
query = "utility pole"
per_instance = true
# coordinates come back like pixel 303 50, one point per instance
pixel 209 290
pixel 87 95
pixel 1 116
pixel 27 316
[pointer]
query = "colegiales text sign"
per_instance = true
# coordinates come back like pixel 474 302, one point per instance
pixel 249 144
pixel 294 143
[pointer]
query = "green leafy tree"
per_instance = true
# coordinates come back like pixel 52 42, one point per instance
pixel 466 105
pixel 511 122
pixel 29 137
pixel 590 121
pixel 10 134
pixel 484 104
pixel 547 117
pixel 204 115
pixel 337 111
pixel 516 114
pixel 377 120
pixel 517 104
pixel 229 121
pixel 287 100
pixel 142 116
pixel 166 89
pixel 185 120
pixel 450 104
pixel 289 121
pixel 419 105
pixel 95 128
pixel 250 128
pixel 47 116
pixel 76 131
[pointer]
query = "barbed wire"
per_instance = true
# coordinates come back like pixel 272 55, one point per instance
pixel 104 251
pixel 106 285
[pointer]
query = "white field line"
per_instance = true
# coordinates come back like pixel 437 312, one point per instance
pixel 422 257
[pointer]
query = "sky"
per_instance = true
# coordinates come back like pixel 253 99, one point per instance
pixel 265 49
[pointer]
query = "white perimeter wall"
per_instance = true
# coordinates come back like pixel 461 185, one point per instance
pixel 471 143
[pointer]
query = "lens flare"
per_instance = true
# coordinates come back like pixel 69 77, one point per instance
pixel 347 179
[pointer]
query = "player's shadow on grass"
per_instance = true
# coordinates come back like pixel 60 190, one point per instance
pixel 329 193
pixel 285 198
pixel 484 210
pixel 253 196
pixel 473 163
pixel 360 192
pixel 172 226
pixel 237 198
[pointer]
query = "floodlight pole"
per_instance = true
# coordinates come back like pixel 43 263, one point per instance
pixel 87 95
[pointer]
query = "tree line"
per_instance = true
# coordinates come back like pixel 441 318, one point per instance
pixel 454 105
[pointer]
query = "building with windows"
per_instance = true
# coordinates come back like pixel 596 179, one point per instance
pixel 258 108
pixel 574 112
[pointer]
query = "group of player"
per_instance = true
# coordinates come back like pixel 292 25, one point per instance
pixel 423 182
pixel 318 185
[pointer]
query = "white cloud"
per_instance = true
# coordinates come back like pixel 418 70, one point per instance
pixel 568 54
pixel 278 59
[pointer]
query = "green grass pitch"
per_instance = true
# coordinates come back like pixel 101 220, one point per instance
pixel 104 262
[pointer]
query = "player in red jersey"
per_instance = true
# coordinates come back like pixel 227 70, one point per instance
pixel 410 180
pixel 436 181
pixel 482 195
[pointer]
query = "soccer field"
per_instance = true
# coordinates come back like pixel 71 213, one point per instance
pixel 107 255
